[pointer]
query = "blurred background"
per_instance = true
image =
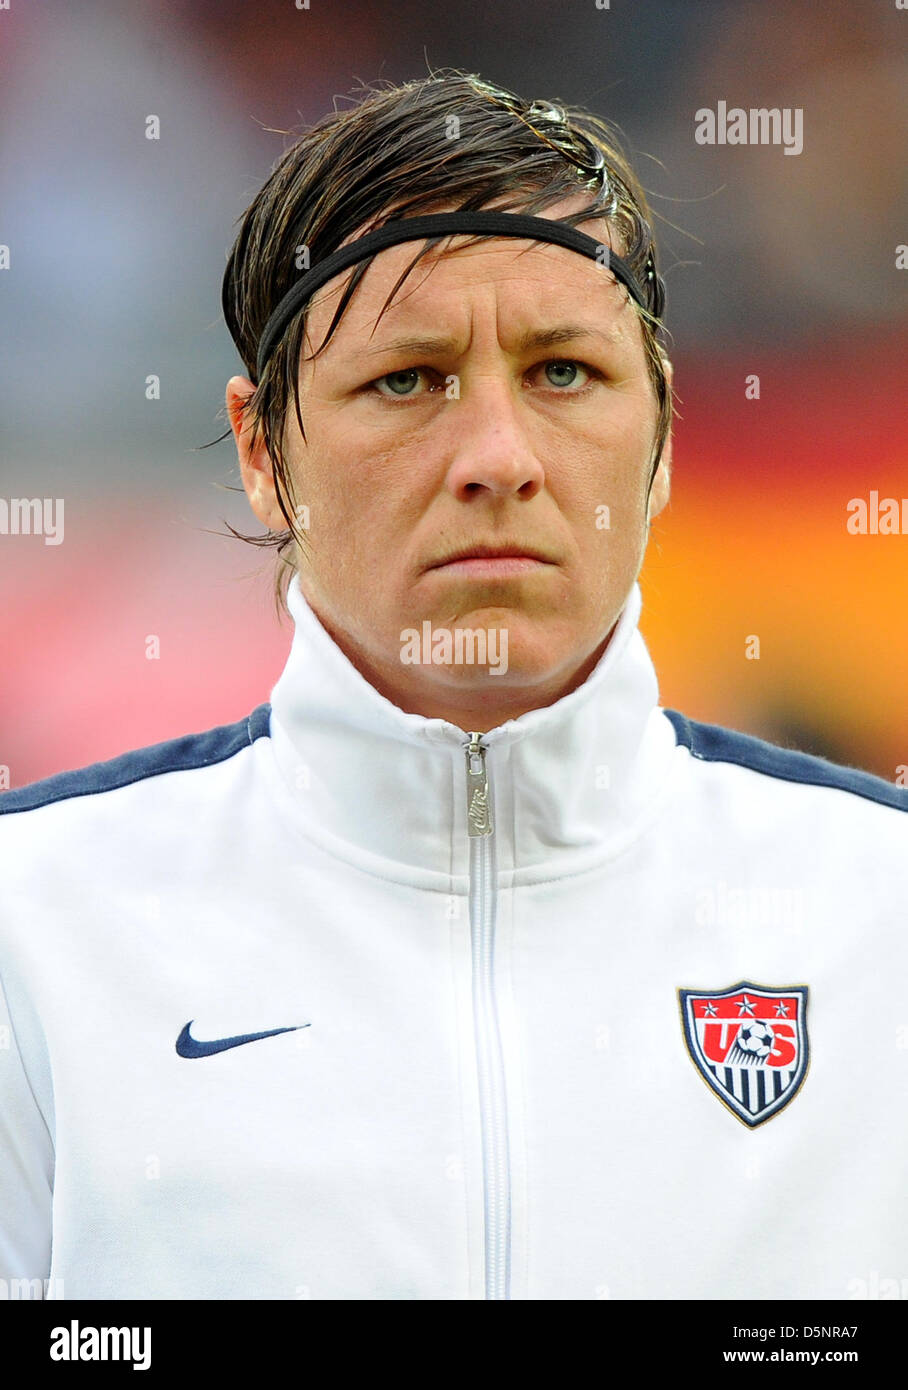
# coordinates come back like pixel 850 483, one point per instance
pixel 783 267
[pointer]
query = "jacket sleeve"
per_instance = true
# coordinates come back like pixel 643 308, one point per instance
pixel 26 1168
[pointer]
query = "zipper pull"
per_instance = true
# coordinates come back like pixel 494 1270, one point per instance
pixel 479 814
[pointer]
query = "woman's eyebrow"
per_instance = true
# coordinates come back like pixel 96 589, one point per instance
pixel 540 337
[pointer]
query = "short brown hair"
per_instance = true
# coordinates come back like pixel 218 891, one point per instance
pixel 451 138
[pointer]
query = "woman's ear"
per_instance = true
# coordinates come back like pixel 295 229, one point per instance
pixel 256 468
pixel 661 488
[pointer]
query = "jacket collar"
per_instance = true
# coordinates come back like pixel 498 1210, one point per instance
pixel 571 783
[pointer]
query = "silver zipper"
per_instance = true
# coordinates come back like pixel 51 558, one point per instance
pixel 479 811
pixel 490 1063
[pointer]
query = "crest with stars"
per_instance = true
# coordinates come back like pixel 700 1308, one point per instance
pixel 749 1043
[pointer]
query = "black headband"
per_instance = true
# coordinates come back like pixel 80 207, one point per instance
pixel 508 224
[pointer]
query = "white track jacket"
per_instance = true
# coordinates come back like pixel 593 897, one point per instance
pixel 327 1004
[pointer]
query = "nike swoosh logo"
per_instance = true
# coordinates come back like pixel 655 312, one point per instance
pixel 188 1046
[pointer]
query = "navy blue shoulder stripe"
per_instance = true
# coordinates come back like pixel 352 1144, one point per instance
pixel 717 745
pixel 174 755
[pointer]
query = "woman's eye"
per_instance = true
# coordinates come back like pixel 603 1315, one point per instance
pixel 563 373
pixel 560 374
pixel 399 383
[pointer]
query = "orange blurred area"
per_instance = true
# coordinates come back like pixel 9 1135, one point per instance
pixel 754 544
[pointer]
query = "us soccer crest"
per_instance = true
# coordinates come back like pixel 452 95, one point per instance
pixel 749 1043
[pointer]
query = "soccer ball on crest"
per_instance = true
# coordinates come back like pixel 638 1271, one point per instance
pixel 755 1038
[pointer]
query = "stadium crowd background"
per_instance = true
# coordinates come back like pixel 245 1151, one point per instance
pixel 779 266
